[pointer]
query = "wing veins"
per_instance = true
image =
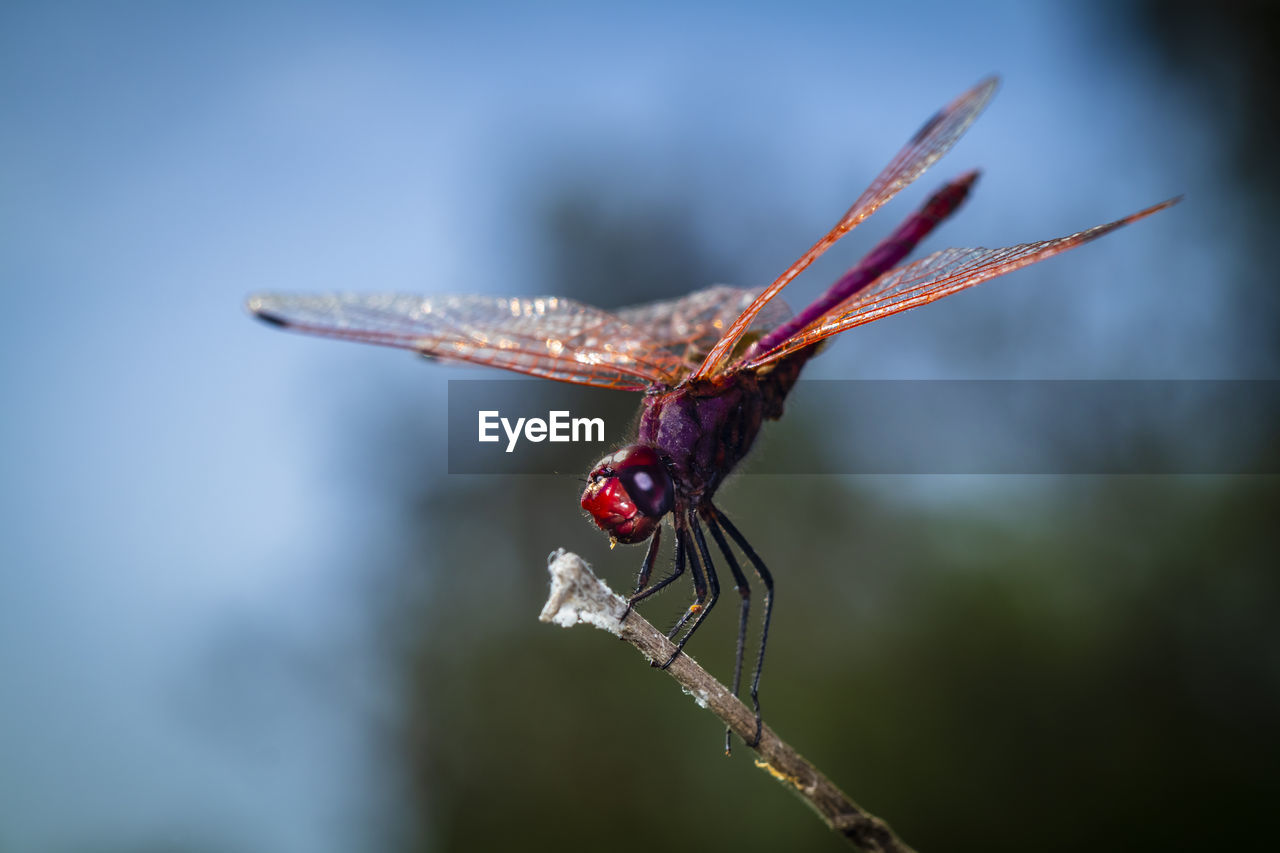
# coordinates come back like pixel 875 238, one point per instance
pixel 552 337
pixel 922 150
pixel 929 279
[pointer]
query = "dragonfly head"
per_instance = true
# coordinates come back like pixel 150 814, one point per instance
pixel 628 493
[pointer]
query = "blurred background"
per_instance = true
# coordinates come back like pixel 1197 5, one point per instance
pixel 244 608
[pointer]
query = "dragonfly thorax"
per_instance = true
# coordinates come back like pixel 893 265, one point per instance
pixel 628 492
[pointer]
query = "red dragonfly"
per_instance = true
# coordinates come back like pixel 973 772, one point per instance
pixel 713 365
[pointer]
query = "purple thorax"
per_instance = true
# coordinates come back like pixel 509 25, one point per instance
pixel 703 429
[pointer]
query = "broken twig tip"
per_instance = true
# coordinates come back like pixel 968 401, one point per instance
pixel 577 595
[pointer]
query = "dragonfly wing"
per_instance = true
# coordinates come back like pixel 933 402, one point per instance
pixel 551 337
pixel 930 142
pixel 932 278
pixel 689 326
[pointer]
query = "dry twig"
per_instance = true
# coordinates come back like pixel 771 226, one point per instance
pixel 577 595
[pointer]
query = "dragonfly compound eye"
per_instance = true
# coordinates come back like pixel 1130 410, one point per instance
pixel 650 488
pixel 629 492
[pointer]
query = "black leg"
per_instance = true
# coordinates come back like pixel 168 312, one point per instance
pixel 699 583
pixel 767 579
pixel 698 607
pixel 646 569
pixel 744 613
pixel 676 572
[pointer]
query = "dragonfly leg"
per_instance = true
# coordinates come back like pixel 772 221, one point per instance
pixel 699 585
pixel 744 613
pixel 767 579
pixel 646 569
pixel 705 598
pixel 662 584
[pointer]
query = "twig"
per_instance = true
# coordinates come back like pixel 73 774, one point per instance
pixel 577 595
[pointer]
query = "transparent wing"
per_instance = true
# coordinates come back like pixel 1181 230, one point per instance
pixel 551 337
pixel 932 278
pixel 930 142
pixel 687 327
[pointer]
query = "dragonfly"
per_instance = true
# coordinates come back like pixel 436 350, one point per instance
pixel 713 366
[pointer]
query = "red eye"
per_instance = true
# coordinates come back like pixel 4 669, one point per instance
pixel 629 493
pixel 649 486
